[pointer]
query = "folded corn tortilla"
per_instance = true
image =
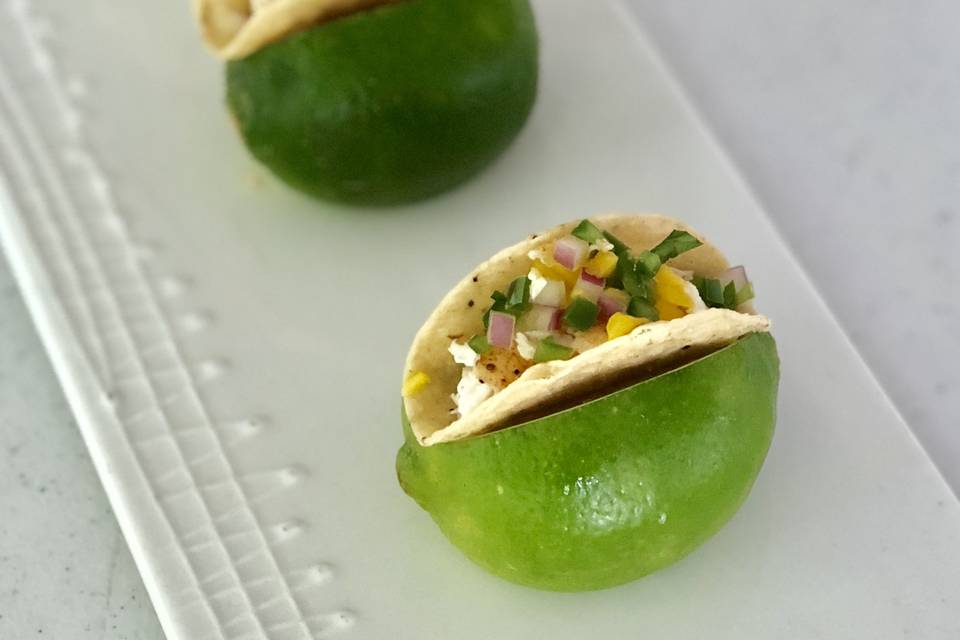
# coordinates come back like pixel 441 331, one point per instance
pixel 234 29
pixel 652 347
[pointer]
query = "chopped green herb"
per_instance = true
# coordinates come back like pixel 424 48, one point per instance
pixel 649 262
pixel 712 292
pixel 716 295
pixel 730 295
pixel 745 294
pixel 674 244
pixel 515 302
pixel 587 231
pixel 619 247
pixel 518 296
pixel 634 278
pixel 640 308
pixel 581 314
pixel 499 304
pixel 548 350
pixel 479 344
pixel 615 279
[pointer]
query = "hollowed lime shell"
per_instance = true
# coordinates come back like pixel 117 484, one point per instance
pixel 611 490
pixel 391 104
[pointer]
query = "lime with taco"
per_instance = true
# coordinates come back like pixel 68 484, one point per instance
pixel 589 405
pixel 375 102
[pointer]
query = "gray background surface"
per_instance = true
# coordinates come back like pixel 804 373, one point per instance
pixel 845 119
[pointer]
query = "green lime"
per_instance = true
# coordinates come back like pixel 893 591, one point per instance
pixel 392 104
pixel 611 490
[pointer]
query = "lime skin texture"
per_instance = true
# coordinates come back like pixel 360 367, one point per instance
pixel 392 104
pixel 611 490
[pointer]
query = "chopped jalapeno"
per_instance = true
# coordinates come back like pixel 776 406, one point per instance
pixel 634 279
pixel 587 231
pixel 581 314
pixel 518 296
pixel 499 304
pixel 640 308
pixel 479 344
pixel 649 262
pixel 548 350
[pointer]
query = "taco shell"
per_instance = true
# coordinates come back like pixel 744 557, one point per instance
pixel 649 349
pixel 234 29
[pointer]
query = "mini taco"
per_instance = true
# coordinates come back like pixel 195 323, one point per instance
pixel 591 404
pixel 375 101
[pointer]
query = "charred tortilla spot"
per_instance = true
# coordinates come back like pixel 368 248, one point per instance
pixel 491 366
pixel 470 303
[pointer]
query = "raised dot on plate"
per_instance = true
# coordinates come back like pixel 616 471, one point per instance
pixel 329 624
pixel 109 400
pixel 115 224
pixel 172 286
pixel 286 530
pixel 76 87
pixel 321 573
pixel 195 321
pixel 242 429
pixel 343 619
pixel 292 475
pixel 211 369
pixel 99 184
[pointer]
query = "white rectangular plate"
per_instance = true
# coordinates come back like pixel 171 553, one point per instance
pixel 239 389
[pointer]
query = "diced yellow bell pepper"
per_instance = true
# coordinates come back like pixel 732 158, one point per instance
pixel 556 271
pixel 415 383
pixel 620 324
pixel 602 264
pixel 672 299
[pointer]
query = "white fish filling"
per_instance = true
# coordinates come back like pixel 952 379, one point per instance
pixel 463 354
pixel 694 295
pixel 470 392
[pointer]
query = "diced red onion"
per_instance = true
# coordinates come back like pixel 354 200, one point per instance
pixel 610 304
pixel 500 330
pixel 587 287
pixel 553 294
pixel 570 251
pixel 592 279
pixel 737 275
pixel 556 320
